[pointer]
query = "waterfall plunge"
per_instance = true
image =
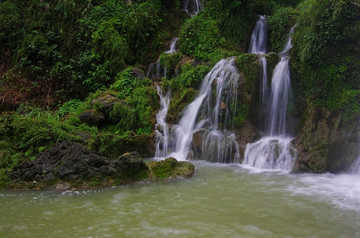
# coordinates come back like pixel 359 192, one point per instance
pixel 192 7
pixel 259 37
pixel 161 127
pixel 212 114
pixel 275 150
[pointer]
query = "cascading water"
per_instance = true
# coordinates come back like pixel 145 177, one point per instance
pixel 259 37
pixel 211 115
pixel 172 49
pixel 192 7
pixel 155 70
pixel 258 46
pixel 275 150
pixel 161 127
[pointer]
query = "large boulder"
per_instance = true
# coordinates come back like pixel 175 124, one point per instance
pixel 170 168
pixel 92 117
pixel 106 102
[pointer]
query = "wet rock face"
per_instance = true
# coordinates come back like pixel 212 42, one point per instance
pixel 69 165
pixel 325 144
pixel 92 118
pixel 71 162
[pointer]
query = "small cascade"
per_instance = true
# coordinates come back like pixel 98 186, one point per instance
pixel 161 128
pixel 259 37
pixel 172 49
pixel 258 46
pixel 192 7
pixel 274 151
pixel 270 153
pixel 220 146
pixel 212 114
pixel 280 91
pixel 155 69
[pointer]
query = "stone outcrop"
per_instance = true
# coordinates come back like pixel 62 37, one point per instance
pixel 69 165
pixel 73 163
pixel 170 168
pixel 325 143
pixel 92 117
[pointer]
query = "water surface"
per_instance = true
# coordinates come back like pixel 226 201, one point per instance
pixel 219 201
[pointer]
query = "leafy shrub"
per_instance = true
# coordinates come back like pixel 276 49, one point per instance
pixel 326 27
pixel 124 117
pixel 200 36
pixel 126 81
pixel 280 24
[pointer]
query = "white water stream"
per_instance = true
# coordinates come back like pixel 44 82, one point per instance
pixel 274 151
pixel 259 37
pixel 210 110
pixel 161 128
pixel 193 7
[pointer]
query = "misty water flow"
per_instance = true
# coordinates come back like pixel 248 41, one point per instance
pixel 274 150
pixel 161 127
pixel 212 115
pixel 192 7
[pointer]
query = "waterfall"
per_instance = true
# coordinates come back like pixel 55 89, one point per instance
pixel 192 7
pixel 172 49
pixel 212 113
pixel 161 127
pixel 258 46
pixel 259 37
pixel 274 151
pixel 155 69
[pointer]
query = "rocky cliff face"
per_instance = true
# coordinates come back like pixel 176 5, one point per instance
pixel 325 143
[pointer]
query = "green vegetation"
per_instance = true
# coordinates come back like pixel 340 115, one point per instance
pixel 326 49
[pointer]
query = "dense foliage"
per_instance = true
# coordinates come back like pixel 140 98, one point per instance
pixel 326 50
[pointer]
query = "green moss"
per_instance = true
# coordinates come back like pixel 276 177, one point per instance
pixel 272 60
pixel 179 102
pixel 170 61
pixel 170 168
pixel 249 65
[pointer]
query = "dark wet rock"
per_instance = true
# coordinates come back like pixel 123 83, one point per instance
pixel 324 143
pixel 247 134
pixel 84 136
pixel 63 186
pixel 170 168
pixel 92 118
pixel 69 165
pixel 138 73
pixel 73 163
pixel 197 144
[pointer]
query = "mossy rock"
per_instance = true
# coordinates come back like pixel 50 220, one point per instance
pixel 272 59
pixel 170 168
pixel 106 101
